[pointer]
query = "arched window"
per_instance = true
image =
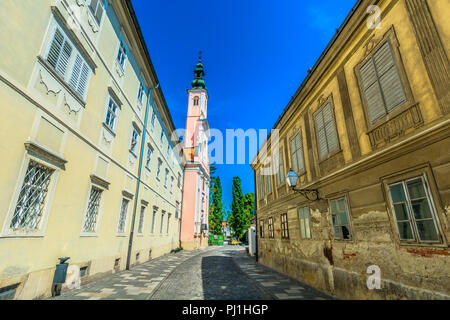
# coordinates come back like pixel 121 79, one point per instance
pixel 196 99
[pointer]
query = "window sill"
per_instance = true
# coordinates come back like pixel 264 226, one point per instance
pixel 393 114
pixel 423 245
pixel 89 235
pixel 140 235
pixel 121 235
pixel 109 129
pixel 329 156
pixel 63 82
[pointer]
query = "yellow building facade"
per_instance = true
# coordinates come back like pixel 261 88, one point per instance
pixel 74 86
pixel 369 129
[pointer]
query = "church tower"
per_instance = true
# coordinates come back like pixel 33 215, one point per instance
pixel 194 223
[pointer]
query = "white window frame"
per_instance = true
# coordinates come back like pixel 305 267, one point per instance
pixel 152 227
pixel 158 170
pixel 123 54
pixel 134 141
pixel 123 233
pixel 116 114
pixel 99 211
pixel 166 178
pixel 140 97
pixel 340 224
pixel 94 14
pixel 141 222
pixel 162 222
pixel 302 223
pixel 148 159
pixel 40 231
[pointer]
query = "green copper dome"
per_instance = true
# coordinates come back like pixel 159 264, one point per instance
pixel 198 82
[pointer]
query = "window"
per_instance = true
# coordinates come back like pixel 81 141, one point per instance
pixel 268 183
pixel 340 218
pixel 123 216
pixel 111 114
pixel 177 208
pixel 141 219
pixel 381 83
pixel 261 228
pixel 122 54
pixel 153 118
pixel 29 208
pixel 155 210
pixel 158 172
pixel 166 176
pixel 303 218
pixel 168 223
pixel 134 140
pixel 60 55
pixel 196 99
pixel 60 52
pixel 162 222
pixel 281 174
pixel 80 75
pixel 327 140
pixel 270 227
pixel 284 226
pixel 149 157
pixel 414 213
pixel 298 164
pixel 179 181
pixel 141 93
pixel 96 7
pixel 260 187
pixel 90 221
pixel 171 184
pixel 162 136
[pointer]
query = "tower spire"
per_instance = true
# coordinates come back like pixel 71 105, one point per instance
pixel 198 82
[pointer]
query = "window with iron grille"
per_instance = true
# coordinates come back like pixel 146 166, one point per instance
pixel 155 210
pixel 270 227
pixel 168 222
pixel 281 174
pixel 284 226
pixel 261 228
pixel 162 222
pixel 327 139
pixel 134 140
pixel 298 164
pixel 97 9
pixel 123 216
pixel 414 213
pixel 30 204
pixel 381 83
pixel 303 218
pixel 340 218
pixel 141 219
pixel 90 221
pixel 111 114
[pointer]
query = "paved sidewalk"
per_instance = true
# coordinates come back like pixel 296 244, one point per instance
pixel 277 285
pixel 135 284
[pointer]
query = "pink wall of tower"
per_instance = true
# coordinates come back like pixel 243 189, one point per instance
pixel 194 223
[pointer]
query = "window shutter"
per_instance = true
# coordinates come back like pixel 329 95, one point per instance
pixel 76 72
pixel 83 79
pixel 99 13
pixel 330 128
pixel 299 145
pixel 293 156
pixel 64 58
pixel 372 91
pixel 390 82
pixel 55 48
pixel 321 138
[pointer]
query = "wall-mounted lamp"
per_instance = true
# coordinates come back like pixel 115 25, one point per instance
pixel 310 194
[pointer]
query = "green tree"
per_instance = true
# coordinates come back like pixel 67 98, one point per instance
pixel 216 214
pixel 249 209
pixel 237 217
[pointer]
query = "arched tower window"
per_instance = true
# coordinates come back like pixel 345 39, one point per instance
pixel 196 99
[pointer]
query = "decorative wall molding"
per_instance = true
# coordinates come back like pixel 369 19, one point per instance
pixel 433 52
pixel 48 85
pixel 92 23
pixel 100 181
pixel 34 149
pixel 396 127
pixel 69 103
pixel 80 3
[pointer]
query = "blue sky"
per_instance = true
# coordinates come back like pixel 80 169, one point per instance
pixel 256 54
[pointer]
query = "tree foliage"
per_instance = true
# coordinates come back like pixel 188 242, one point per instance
pixel 237 218
pixel 215 215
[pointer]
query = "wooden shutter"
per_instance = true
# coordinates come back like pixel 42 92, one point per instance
pixel 321 136
pixel 389 77
pixel 330 128
pixel 64 58
pixel 372 91
pixel 55 48
pixel 80 74
pixel 299 152
pixel 293 157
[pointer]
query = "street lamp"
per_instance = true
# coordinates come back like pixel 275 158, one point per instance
pixel 310 194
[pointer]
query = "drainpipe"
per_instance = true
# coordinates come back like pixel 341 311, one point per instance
pixel 138 184
pixel 256 220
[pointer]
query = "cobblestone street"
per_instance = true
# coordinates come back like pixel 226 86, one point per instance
pixel 215 273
